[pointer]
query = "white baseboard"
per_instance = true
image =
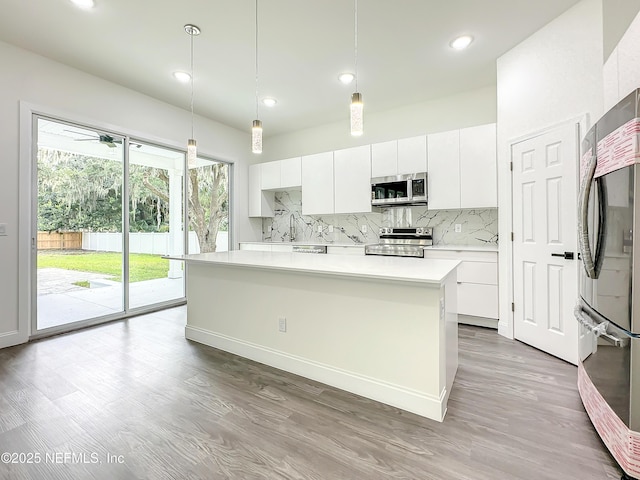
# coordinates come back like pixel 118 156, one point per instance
pixel 10 339
pixel 407 399
pixel 478 321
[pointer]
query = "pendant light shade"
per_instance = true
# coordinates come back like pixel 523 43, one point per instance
pixel 356 110
pixel 256 137
pixel 356 115
pixel 192 153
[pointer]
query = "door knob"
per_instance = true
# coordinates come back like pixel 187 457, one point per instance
pixel 565 255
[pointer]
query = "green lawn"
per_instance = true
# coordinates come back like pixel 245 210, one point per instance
pixel 141 266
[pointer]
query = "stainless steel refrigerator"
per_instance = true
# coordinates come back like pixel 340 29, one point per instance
pixel 609 300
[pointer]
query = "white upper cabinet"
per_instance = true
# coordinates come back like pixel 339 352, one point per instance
pixel 270 175
pixel 317 184
pixel 260 203
pixel 407 155
pixel 462 168
pixel 478 173
pixel 352 180
pixel 412 155
pixel 291 173
pixel 443 175
pixel 384 159
pixel 281 174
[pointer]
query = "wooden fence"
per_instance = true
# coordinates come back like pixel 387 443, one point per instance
pixel 59 240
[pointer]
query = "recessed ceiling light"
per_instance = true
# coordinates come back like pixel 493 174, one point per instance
pixel 269 102
pixel 462 42
pixel 346 78
pixel 84 4
pixel 182 77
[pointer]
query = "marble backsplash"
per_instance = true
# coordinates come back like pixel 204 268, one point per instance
pixel 478 227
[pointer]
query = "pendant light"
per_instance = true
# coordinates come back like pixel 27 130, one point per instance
pixel 192 152
pixel 356 97
pixel 256 129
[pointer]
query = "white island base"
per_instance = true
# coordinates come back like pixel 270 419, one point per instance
pixel 384 328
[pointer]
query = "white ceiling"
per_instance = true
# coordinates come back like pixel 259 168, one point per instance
pixel 403 52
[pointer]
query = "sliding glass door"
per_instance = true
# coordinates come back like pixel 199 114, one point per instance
pixel 79 179
pixel 90 186
pixel 156 226
pixel 208 194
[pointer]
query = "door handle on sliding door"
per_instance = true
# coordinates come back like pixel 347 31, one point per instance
pixel 565 255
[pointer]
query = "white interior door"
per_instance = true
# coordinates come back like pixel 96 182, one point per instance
pixel 544 224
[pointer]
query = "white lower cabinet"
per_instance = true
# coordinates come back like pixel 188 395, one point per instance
pixel 258 247
pixel 287 247
pixel 267 247
pixel 477 285
pixel 345 250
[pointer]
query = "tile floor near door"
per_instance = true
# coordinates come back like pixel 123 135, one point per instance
pixel 135 400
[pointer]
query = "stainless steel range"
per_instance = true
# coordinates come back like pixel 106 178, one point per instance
pixel 402 242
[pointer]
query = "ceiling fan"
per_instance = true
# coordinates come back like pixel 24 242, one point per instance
pixel 102 138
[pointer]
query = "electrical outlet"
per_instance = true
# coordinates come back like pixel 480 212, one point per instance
pixel 282 324
pixel 3 229
pixel 319 228
pixel 458 227
pixel 330 228
pixel 363 228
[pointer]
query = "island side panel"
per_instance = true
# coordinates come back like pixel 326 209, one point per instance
pixel 378 339
pixel 450 356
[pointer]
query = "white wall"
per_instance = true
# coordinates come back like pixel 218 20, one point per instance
pixel 26 77
pixel 468 109
pixel 622 69
pixel 552 77
pixel 618 15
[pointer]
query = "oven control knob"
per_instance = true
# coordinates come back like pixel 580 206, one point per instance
pixel 419 231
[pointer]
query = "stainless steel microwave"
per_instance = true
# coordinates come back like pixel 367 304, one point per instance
pixel 410 189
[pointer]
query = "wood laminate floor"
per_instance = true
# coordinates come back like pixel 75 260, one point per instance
pixel 135 400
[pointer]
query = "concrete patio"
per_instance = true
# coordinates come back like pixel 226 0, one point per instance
pixel 60 302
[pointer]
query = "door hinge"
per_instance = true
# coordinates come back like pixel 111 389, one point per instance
pixel 511 166
pixel 512 236
pixel 513 307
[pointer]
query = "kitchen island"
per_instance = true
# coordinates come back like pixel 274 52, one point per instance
pixel 382 327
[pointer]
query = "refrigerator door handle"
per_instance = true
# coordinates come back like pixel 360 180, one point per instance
pixel 598 329
pixel 583 218
pixel 603 327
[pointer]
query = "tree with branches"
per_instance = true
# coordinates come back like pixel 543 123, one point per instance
pixel 84 193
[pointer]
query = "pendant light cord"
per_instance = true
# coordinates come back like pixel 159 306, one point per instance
pixel 191 35
pixel 355 29
pixel 257 60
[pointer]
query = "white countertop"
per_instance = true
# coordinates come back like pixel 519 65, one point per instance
pixel 396 269
pixel 465 248
pixel 325 244
pixel 458 248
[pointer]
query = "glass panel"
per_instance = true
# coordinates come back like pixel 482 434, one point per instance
pixel 208 206
pixel 79 182
pixel 613 286
pixel 155 224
